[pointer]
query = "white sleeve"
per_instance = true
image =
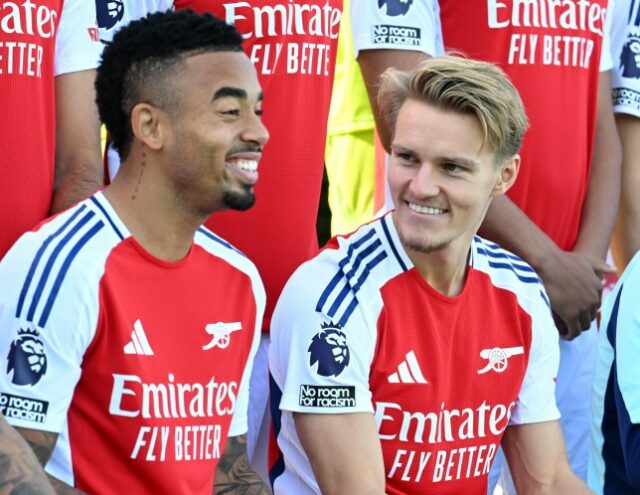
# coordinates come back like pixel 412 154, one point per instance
pixel 77 41
pixel 536 400
pixel 319 366
pixel 606 62
pixel 42 344
pixel 625 50
pixel 240 419
pixel 396 25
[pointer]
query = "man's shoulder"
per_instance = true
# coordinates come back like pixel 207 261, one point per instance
pixel 370 249
pixel 508 271
pixel 348 273
pixel 61 259
pixel 224 250
pixel 493 256
pixel 66 252
pixel 67 233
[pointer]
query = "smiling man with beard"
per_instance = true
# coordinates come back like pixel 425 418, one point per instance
pixel 115 300
pixel 441 344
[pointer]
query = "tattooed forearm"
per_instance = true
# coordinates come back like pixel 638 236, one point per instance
pixel 20 473
pixel 41 442
pixel 62 488
pixel 234 474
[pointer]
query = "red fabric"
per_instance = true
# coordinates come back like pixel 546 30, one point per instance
pixel 279 232
pixel 148 437
pixel 441 435
pixel 27 126
pixel 556 71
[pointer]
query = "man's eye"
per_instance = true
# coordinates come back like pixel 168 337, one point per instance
pixel 453 167
pixel 405 157
pixel 234 112
pixel 259 112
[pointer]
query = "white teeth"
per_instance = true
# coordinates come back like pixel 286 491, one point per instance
pixel 425 210
pixel 248 165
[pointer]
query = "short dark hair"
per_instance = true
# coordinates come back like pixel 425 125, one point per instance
pixel 139 65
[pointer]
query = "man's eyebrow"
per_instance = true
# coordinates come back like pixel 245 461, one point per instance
pixel 227 91
pixel 468 162
pixel 401 149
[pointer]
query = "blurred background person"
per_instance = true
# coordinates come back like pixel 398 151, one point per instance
pixel 625 51
pixel 614 463
pixel 49 131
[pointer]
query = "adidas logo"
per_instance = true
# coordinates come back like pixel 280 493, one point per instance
pixel 139 343
pixel 408 371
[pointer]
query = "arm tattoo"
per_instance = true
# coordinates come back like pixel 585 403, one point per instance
pixel 20 473
pixel 234 474
pixel 42 444
pixel 61 488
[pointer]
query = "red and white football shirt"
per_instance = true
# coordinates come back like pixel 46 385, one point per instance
pixel 293 46
pixel 141 365
pixel 358 329
pixel 553 53
pixel 39 40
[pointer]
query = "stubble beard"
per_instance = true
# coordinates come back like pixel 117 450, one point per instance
pixel 423 247
pixel 419 244
pixel 239 200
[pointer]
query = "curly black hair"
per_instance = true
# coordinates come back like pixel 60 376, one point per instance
pixel 140 63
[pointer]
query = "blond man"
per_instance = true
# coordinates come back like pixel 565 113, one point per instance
pixel 405 354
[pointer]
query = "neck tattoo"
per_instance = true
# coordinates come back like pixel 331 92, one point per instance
pixel 143 165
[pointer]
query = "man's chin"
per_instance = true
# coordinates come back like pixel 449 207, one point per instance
pixel 426 248
pixel 423 246
pixel 240 201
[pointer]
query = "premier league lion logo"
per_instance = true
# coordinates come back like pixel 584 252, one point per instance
pixel 329 349
pixel 630 58
pixel 395 7
pixel 26 358
pixel 109 12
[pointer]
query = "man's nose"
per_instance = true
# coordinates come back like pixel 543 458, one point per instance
pixel 256 131
pixel 426 181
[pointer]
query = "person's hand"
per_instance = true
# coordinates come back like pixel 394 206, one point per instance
pixel 573 281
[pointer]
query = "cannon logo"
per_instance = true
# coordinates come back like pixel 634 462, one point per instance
pixel 26 358
pixel 221 334
pixel 329 349
pixel 498 358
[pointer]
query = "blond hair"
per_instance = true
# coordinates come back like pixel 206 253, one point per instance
pixel 464 86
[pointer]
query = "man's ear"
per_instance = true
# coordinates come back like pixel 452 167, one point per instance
pixel 507 175
pixel 149 125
